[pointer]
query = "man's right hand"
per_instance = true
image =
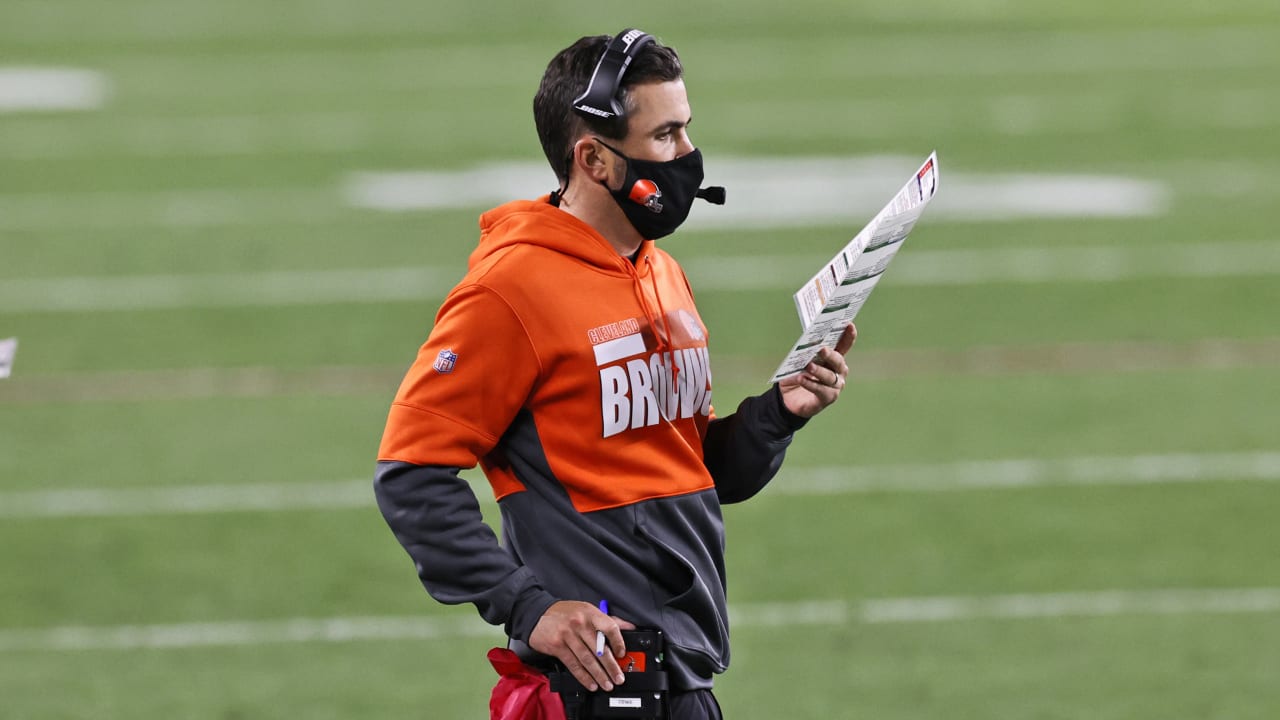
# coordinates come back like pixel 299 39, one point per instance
pixel 567 631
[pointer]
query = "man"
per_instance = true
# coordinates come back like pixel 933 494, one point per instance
pixel 571 363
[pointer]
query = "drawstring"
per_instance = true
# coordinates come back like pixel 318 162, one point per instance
pixel 663 337
pixel 664 344
pixel 644 303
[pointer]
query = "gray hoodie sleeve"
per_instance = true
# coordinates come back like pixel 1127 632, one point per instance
pixel 436 517
pixel 744 450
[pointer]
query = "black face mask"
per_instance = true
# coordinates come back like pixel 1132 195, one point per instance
pixel 657 196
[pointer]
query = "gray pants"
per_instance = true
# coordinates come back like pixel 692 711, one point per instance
pixel 694 705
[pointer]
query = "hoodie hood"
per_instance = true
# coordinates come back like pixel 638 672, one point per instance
pixel 539 223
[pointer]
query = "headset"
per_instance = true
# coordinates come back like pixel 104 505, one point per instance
pixel 600 100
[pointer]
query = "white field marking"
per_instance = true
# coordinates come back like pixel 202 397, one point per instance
pixel 99 210
pixel 8 350
pixel 1097 263
pixel 43 89
pixel 1166 469
pixel 208 135
pixel 1094 111
pixel 248 632
pixel 1106 357
pixel 308 131
pixel 799 481
pixel 203 383
pixel 824 613
pixel 447 189
pixel 995 54
pixel 791 192
pixel 766 272
pixel 262 289
pixel 197 499
pixel 1083 604
pixel 223 135
pixel 765 193
pixel 982 53
pixel 1019 115
pixel 870 365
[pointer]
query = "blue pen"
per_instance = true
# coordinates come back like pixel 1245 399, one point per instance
pixel 604 608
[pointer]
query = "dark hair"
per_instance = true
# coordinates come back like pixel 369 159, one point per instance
pixel 567 77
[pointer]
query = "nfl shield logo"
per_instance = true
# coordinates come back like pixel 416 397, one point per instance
pixel 445 361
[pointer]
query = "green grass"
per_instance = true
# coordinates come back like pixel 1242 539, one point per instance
pixel 1099 668
pixel 271 105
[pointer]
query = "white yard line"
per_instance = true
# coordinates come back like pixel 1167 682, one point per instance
pixel 197 499
pixel 782 192
pixel 758 272
pixel 1194 46
pixel 999 54
pixel 1058 605
pixel 362 380
pixel 205 383
pixel 343 131
pixel 1153 469
pixel 44 89
pixel 792 192
pixel 793 481
pixel 220 135
pixel 212 634
pixel 823 613
pixel 8 351
pixel 764 193
pixel 1093 264
pixel 122 209
pixel 248 289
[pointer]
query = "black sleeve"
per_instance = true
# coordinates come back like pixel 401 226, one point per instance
pixel 436 517
pixel 744 450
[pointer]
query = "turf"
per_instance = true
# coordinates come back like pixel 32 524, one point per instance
pixel 223 149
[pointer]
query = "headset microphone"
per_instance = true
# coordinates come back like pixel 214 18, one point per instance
pixel 713 194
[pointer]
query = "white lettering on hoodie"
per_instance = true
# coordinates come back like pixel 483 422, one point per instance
pixel 641 392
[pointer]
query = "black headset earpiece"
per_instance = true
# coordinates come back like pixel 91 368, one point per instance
pixel 601 98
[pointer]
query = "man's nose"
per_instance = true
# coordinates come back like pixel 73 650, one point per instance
pixel 685 145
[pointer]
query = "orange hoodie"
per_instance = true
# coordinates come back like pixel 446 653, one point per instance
pixel 609 358
pixel 581 383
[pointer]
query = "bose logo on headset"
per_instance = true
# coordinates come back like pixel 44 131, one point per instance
pixel 631 36
pixel 600 100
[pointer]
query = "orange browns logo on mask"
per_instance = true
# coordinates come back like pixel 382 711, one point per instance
pixel 646 193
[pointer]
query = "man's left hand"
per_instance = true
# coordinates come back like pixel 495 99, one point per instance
pixel 810 391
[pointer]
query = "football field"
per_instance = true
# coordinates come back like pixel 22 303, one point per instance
pixel 1051 489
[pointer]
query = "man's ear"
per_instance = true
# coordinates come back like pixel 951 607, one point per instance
pixel 591 160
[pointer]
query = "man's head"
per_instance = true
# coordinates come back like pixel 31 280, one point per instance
pixel 567 77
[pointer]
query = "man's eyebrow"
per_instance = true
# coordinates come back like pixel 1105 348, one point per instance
pixel 671 126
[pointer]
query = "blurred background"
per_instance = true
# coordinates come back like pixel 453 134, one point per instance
pixel 1049 492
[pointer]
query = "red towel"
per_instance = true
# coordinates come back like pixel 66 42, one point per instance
pixel 522 693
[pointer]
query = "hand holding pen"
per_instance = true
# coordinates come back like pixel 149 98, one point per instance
pixel 577 633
